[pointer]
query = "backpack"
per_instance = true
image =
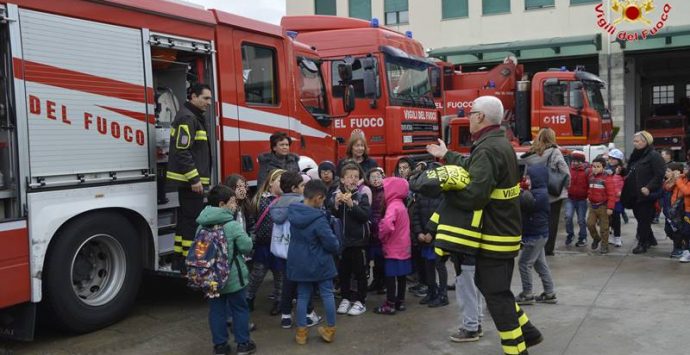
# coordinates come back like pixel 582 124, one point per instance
pixel 207 262
pixel 280 239
pixel 676 213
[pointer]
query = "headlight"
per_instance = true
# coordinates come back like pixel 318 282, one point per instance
pixel 407 139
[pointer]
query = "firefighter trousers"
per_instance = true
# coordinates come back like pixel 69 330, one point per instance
pixel 191 204
pixel 493 277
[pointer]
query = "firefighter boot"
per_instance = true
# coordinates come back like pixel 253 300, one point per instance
pixel 301 336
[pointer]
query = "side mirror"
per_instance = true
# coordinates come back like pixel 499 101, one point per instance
pixel 435 76
pixel 345 72
pixel 349 98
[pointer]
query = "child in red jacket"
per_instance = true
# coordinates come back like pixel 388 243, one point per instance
pixel 577 199
pixel 602 200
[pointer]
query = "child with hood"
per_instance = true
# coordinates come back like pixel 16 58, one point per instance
pixel 310 260
pixel 394 233
pixel 535 233
pixel 222 205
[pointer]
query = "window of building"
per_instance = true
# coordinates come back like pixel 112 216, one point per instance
pixel 360 9
pixel 259 74
pixel 495 6
pixel 396 12
pixel 578 2
pixel 538 4
pixel 324 7
pixel 662 94
pixel 454 9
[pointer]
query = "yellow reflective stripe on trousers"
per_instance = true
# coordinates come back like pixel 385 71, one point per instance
pixel 192 174
pixel 175 176
pixel 511 334
pixel 201 136
pixel 178 244
pixel 473 244
pixel 506 194
pixel 187 243
pixel 477 218
pixel 514 349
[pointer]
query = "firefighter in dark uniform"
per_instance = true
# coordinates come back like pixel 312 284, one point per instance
pixel 482 219
pixel 189 166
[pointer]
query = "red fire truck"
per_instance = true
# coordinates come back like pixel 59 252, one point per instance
pixel 395 108
pixel 87 93
pixel 569 102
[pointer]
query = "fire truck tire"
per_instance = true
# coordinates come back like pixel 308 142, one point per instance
pixel 92 272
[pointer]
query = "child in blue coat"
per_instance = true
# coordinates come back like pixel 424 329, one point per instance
pixel 535 233
pixel 310 259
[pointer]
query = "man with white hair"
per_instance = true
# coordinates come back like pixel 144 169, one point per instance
pixel 493 236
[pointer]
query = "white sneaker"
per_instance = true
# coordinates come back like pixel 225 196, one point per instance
pixel 313 319
pixel 618 242
pixel 685 258
pixel 344 307
pixel 357 309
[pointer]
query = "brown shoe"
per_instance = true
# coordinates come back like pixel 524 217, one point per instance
pixel 327 333
pixel 301 336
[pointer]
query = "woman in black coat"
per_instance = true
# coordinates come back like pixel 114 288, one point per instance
pixel 278 158
pixel 642 187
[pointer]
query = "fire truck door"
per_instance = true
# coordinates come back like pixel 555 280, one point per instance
pixel 14 241
pixel 561 110
pixel 262 105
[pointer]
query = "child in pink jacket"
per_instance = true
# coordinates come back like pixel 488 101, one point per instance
pixel 394 234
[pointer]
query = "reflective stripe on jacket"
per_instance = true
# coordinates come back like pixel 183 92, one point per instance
pixel 484 218
pixel 190 151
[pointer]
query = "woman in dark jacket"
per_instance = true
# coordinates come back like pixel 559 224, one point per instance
pixel 642 187
pixel 358 152
pixel 278 158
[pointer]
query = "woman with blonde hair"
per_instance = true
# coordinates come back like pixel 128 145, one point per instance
pixel 545 151
pixel 357 152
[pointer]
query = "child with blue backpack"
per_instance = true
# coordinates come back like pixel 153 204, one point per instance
pixel 222 205
pixel 310 261
pixel 292 185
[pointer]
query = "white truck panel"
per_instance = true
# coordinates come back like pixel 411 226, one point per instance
pixel 58 148
pixel 85 91
pixel 48 210
pixel 84 46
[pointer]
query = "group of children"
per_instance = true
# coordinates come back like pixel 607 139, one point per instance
pixel 594 194
pixel 338 227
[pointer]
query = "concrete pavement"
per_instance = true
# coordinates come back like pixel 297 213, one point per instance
pixel 613 304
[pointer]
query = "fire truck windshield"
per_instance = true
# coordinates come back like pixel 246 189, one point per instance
pixel 408 84
pixel 596 100
pixel 312 93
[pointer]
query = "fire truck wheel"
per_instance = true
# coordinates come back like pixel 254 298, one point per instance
pixel 92 272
